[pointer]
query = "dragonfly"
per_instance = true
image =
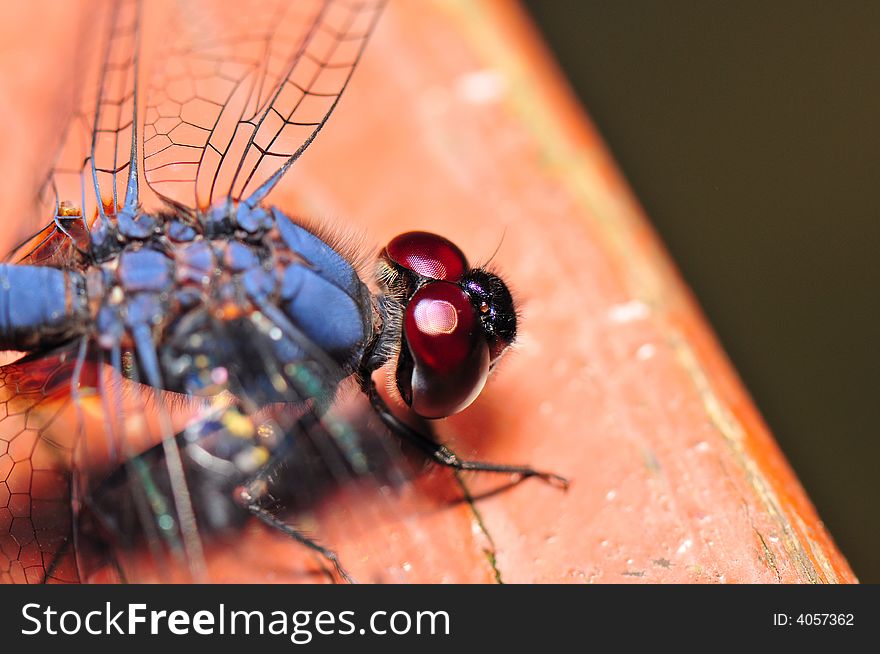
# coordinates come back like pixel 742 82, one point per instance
pixel 189 352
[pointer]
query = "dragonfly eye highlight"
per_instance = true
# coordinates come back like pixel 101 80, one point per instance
pixel 445 361
pixel 428 255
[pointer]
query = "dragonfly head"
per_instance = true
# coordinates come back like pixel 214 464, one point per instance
pixel 455 323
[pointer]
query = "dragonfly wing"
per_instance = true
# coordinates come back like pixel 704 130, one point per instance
pixel 67 420
pixel 36 458
pixel 312 458
pixel 97 157
pixel 233 103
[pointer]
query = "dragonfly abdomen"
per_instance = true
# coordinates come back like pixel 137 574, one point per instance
pixel 40 306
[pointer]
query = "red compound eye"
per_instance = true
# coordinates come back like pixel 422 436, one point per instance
pixel 449 358
pixel 428 255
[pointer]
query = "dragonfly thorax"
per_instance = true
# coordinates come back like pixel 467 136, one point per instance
pixel 196 299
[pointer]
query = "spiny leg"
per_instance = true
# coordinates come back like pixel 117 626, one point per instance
pixel 115 428
pixel 445 456
pixel 149 360
pixel 82 351
pixel 251 502
pixel 256 488
pixel 56 558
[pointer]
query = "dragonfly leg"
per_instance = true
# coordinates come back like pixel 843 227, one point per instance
pixel 445 456
pixel 56 558
pixel 251 503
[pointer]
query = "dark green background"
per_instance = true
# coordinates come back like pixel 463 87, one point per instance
pixel 750 132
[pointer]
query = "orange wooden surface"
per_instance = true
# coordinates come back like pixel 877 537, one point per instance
pixel 457 122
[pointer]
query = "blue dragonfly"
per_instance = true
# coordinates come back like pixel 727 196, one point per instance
pixel 164 269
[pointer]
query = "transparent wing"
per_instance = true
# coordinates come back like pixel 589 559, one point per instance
pixel 314 461
pixel 35 492
pixel 92 172
pixel 67 420
pixel 234 102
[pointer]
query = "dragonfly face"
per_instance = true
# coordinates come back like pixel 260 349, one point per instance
pixel 456 322
pixel 234 323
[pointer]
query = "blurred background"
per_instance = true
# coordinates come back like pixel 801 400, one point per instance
pixel 750 132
